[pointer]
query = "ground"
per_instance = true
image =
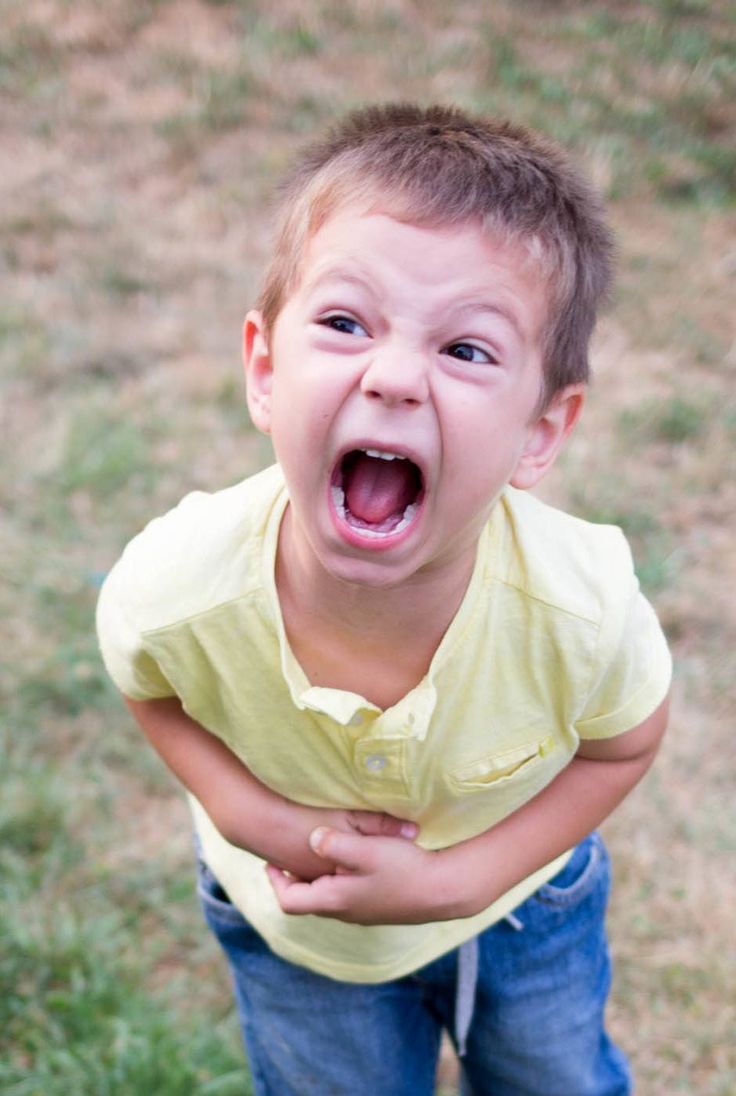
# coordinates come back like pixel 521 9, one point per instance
pixel 142 141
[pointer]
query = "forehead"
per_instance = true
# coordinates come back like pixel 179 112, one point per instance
pixel 383 252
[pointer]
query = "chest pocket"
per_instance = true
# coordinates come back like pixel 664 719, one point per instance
pixel 502 767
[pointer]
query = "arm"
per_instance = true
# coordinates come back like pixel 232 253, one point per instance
pixel 385 882
pixel 246 812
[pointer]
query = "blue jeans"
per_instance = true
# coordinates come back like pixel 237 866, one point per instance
pixel 537 1027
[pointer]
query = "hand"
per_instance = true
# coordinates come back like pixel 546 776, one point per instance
pixel 286 842
pixel 369 823
pixel 373 881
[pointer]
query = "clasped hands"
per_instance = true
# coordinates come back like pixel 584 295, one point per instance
pixel 375 874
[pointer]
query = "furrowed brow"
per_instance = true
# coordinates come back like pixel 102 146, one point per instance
pixel 337 274
pixel 494 308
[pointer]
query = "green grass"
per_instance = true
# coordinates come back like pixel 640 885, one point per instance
pixel 676 419
pixel 75 1013
pixel 79 1021
pixel 103 453
pixel 665 140
pixel 29 60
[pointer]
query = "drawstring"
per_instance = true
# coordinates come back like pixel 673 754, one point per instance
pixel 467 981
pixel 515 923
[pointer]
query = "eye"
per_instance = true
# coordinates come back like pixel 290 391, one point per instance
pixel 346 325
pixel 468 352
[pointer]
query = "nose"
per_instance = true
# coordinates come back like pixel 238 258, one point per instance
pixel 396 376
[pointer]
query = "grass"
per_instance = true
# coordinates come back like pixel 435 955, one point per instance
pixel 651 90
pixel 144 141
pixel 676 420
pixel 76 1014
pixel 28 60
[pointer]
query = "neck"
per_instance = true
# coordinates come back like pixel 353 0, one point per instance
pixel 426 603
pixel 377 642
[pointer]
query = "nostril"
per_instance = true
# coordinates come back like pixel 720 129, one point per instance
pixel 391 398
pixel 396 382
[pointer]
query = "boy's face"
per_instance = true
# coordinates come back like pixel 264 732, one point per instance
pixel 399 385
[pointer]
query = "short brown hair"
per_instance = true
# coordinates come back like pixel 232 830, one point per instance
pixel 440 166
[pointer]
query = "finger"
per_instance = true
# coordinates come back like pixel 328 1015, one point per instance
pixel 324 895
pixel 378 824
pixel 283 885
pixel 356 852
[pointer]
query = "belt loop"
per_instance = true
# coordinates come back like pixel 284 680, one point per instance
pixel 467 981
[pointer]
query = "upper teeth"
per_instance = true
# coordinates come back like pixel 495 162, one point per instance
pixel 381 455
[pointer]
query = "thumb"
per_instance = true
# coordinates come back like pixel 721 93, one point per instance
pixel 348 850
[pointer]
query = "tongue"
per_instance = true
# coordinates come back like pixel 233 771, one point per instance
pixel 376 489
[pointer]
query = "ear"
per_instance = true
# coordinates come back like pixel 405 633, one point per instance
pixel 258 371
pixel 546 436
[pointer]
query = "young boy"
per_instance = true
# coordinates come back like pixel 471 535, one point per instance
pixel 401 692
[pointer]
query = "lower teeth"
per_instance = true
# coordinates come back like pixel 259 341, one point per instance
pixel 409 514
pixel 338 499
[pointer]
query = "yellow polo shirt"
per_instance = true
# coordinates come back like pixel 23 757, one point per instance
pixel 552 643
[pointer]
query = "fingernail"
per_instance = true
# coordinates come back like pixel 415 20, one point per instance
pixel 409 829
pixel 315 838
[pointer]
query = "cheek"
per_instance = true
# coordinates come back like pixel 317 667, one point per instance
pixel 297 432
pixel 481 459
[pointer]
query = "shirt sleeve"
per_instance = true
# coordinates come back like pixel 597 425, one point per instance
pixel 135 672
pixel 632 673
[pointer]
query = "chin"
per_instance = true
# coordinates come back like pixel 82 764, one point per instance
pixel 371 572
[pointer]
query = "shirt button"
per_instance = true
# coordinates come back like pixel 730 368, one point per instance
pixel 356 720
pixel 375 762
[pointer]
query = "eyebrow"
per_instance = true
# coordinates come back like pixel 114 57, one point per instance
pixel 496 309
pixel 353 276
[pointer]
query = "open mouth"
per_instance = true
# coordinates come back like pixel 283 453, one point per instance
pixel 377 493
